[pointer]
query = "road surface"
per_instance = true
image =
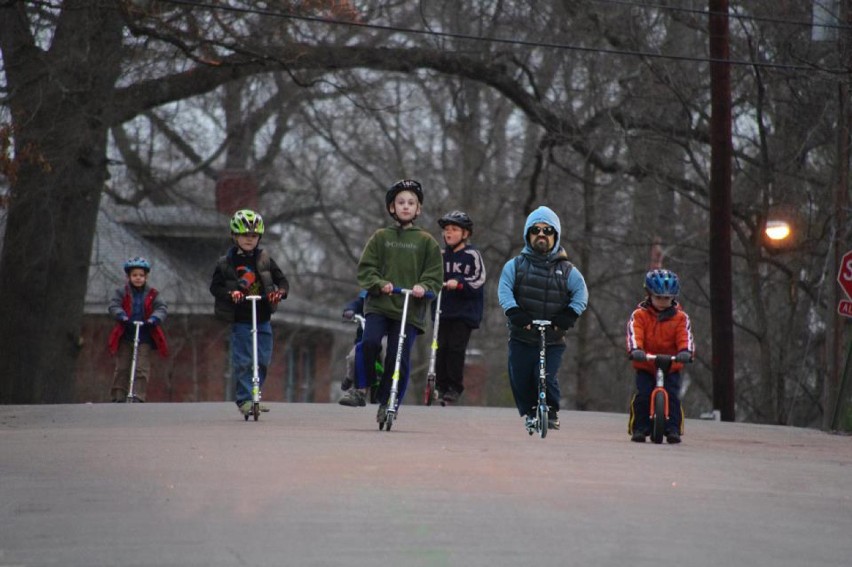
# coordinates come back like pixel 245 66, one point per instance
pixel 319 485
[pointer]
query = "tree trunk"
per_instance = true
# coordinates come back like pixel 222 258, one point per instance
pixel 60 148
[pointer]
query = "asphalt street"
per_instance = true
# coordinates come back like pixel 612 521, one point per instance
pixel 320 485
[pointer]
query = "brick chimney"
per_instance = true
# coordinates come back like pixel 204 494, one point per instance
pixel 235 189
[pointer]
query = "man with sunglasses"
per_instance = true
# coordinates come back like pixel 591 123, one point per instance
pixel 539 283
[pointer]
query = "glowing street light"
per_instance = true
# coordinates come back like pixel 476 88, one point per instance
pixel 777 230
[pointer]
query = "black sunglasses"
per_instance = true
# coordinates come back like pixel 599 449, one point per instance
pixel 548 230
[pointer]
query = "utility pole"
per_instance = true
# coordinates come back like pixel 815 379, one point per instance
pixel 831 389
pixel 721 292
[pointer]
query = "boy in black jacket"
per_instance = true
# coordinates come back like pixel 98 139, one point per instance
pixel 248 270
pixel 461 303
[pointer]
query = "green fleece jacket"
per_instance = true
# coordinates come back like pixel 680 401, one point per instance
pixel 404 257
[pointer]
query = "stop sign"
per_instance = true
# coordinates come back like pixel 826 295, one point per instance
pixel 844 274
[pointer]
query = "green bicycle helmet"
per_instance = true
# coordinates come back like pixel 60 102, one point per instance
pixel 246 221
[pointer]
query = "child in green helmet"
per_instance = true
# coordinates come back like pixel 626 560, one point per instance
pixel 246 270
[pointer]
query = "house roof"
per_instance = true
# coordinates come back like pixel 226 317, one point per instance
pixel 185 289
pixel 119 236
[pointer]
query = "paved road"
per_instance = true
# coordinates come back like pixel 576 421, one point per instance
pixel 318 484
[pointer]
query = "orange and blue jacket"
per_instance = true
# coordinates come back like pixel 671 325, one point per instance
pixel 659 332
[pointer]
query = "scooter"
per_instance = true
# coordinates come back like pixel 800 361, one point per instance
pixel 386 415
pixel 255 371
pixel 430 394
pixel 538 424
pixel 130 396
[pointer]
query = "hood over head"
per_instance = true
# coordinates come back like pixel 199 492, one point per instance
pixel 543 215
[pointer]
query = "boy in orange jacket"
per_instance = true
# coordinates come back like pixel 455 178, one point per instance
pixel 658 326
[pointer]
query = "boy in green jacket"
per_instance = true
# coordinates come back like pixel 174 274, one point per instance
pixel 402 256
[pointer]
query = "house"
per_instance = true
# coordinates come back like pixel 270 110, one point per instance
pixel 182 244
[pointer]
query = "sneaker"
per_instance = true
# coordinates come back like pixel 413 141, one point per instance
pixel 529 423
pixel 638 437
pixel 450 396
pixel 673 437
pixel 382 414
pixel 346 383
pixel 354 398
pixel 245 407
pixel 552 420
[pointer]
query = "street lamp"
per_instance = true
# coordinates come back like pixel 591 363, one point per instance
pixel 777 230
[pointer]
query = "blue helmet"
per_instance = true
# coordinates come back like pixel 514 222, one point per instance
pixel 662 282
pixel 137 262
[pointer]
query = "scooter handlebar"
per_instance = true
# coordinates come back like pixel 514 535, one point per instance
pixel 664 359
pixel 427 295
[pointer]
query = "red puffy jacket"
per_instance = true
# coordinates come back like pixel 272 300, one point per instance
pixel 157 334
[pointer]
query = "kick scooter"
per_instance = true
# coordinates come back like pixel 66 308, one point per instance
pixel 130 396
pixel 430 394
pixel 659 396
pixel 386 420
pixel 539 423
pixel 255 372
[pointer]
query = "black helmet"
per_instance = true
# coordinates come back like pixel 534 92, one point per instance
pixel 458 218
pixel 399 187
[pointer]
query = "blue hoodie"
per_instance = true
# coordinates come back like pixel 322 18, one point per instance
pixel 575 283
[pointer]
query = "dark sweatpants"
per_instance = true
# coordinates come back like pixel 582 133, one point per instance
pixel 453 336
pixel 640 406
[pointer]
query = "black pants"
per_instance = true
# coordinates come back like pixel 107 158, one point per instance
pixel 453 336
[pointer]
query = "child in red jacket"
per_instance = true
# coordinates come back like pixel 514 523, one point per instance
pixel 136 301
pixel 658 326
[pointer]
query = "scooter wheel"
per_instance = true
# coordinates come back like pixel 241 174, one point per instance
pixel 542 421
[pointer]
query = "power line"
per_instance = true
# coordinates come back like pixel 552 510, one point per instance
pixel 731 15
pixel 503 41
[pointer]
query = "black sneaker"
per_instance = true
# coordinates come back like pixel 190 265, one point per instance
pixel 552 420
pixel 673 437
pixel 450 396
pixel 638 437
pixel 346 383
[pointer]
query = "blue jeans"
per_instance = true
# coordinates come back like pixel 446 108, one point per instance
pixel 375 328
pixel 523 374
pixel 241 356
